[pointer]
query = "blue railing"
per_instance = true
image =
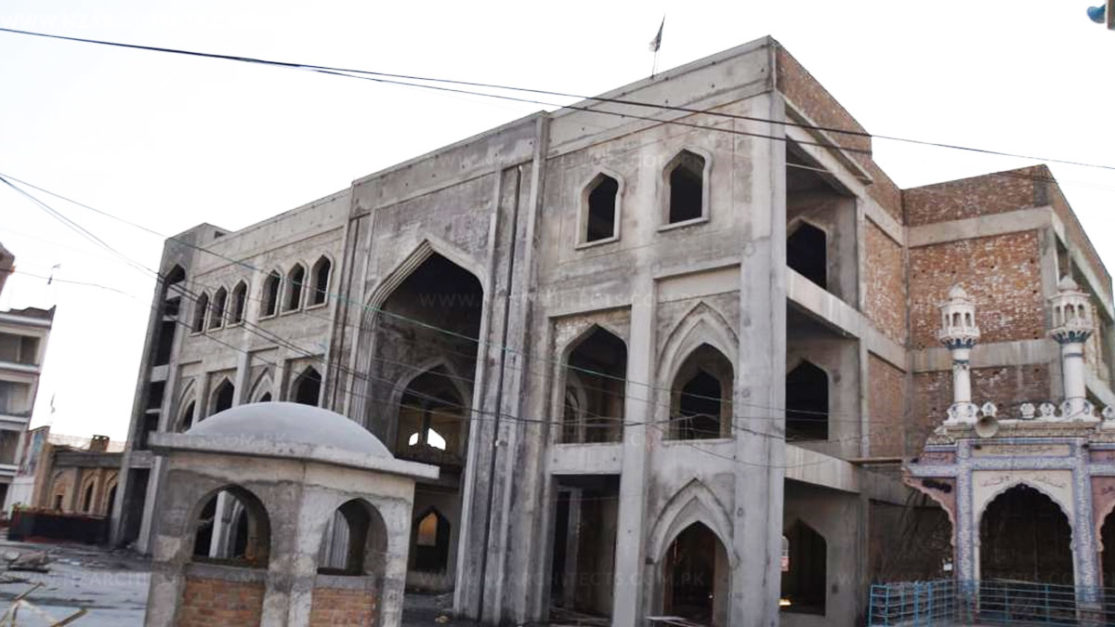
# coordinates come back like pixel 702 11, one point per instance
pixel 949 602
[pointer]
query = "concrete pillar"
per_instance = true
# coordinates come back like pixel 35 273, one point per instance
pixel 627 600
pixel 760 379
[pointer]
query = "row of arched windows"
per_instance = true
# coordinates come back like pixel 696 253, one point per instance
pixel 305 389
pixel 297 289
pixel 685 199
pixel 234 528
pixel 700 394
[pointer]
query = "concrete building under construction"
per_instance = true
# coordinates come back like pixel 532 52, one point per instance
pixel 668 347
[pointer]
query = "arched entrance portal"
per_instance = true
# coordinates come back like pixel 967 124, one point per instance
pixel 695 577
pixel 1024 536
pixel 422 366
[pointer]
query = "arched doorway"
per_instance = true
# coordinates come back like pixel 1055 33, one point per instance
pixel 424 358
pixel 1024 536
pixel 695 574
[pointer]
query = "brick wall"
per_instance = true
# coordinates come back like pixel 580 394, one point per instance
pixel 1006 387
pixel 971 197
pixel 1002 274
pixel 885 279
pixel 1000 192
pixel 209 602
pixel 342 606
pixel 886 407
pixel 808 96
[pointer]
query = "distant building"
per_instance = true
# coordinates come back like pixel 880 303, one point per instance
pixel 653 352
pixel 23 339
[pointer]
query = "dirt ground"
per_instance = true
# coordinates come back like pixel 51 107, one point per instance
pixel 110 585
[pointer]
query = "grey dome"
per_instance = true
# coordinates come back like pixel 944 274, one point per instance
pixel 291 423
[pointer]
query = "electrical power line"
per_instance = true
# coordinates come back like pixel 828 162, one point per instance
pixel 439 84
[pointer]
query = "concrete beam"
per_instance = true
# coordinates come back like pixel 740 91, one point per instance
pixel 992 355
pixel 842 318
pixel 981 226
pixel 819 469
pixel 586 459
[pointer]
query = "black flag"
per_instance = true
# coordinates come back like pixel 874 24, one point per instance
pixel 656 43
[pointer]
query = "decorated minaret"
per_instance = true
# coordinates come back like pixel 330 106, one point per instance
pixel 1070 326
pixel 959 334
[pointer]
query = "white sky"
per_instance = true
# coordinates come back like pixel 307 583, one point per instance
pixel 170 142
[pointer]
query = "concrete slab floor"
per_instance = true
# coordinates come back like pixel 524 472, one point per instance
pixel 111 585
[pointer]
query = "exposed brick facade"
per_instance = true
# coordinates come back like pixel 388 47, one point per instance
pixel 210 602
pixel 886 406
pixel 342 606
pixel 1002 274
pixel 969 198
pixel 1006 387
pixel 886 283
pixel 803 91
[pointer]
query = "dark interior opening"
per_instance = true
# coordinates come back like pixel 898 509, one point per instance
pixel 271 293
pixel 223 398
pixel 602 209
pixel 1024 536
pixel 321 280
pixel 295 280
pixel 691 574
pixel 582 566
pixel 807 403
pixel 307 387
pixel 804 584
pixel 431 542
pixel 595 389
pixel 687 187
pixel 807 253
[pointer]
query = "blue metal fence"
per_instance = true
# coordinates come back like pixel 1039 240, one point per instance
pixel 949 602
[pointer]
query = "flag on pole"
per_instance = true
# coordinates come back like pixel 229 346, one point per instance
pixel 656 43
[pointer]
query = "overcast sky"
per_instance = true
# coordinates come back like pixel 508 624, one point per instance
pixel 170 142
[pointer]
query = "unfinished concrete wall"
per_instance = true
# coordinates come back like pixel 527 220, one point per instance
pixel 841 520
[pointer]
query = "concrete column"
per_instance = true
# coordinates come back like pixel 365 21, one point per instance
pixel 221 514
pixel 966 531
pixel 627 600
pixel 961 376
pixel 571 548
pixel 1085 560
pixel 760 375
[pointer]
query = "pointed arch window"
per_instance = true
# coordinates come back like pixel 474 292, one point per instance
pixel 239 303
pixel 595 389
pixel 307 387
pixel 600 216
pixel 701 399
pixel 807 403
pixel 200 310
pixel 807 253
pixel 270 296
pixel 686 185
pixel 431 542
pixel 295 279
pixel 216 317
pixel 186 419
pixel 222 396
pixel 319 289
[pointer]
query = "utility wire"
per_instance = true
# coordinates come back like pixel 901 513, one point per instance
pixel 267 335
pixel 439 85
